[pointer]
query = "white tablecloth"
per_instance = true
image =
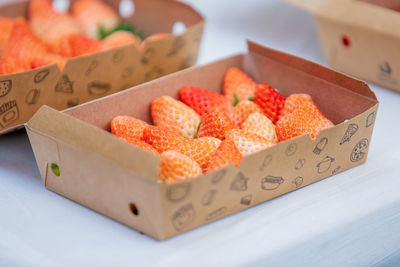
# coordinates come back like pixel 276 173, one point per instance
pixel 350 219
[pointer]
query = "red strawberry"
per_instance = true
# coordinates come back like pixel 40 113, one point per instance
pixel 78 44
pixel 204 101
pixel 51 26
pixel 128 126
pixel 247 143
pixel 22 48
pixel 259 124
pixel 238 86
pixel 9 65
pixel 226 153
pixel 305 119
pixel 139 143
pixel 243 110
pixel 49 59
pixel 162 138
pixel 93 14
pixel 215 124
pixel 121 38
pixel 173 114
pixel 292 102
pixel 270 101
pixel 200 150
pixel 6 26
pixel 175 166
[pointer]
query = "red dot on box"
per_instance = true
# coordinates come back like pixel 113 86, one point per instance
pixel 346 41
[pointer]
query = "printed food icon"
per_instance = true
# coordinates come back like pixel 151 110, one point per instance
pixel 64 85
pixel 5 87
pixel 351 130
pixel 183 217
pixel 178 192
pixel 298 181
pixel 359 150
pixel 204 131
pixel 325 164
pixel 8 113
pixel 271 182
pixel 98 88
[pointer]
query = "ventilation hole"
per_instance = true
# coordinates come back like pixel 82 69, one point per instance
pixel 61 5
pixel 126 8
pixel 133 209
pixel 346 41
pixel 178 27
pixel 55 169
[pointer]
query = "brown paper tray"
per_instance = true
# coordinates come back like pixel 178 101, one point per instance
pixel 119 180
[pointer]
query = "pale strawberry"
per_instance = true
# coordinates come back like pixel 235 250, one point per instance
pixel 243 110
pixel 259 124
pixel 50 25
pixel 156 36
pixel 9 65
pixel 128 126
pixel 248 143
pixel 200 150
pixel 172 114
pixel 292 102
pixel 93 14
pixel 305 119
pixel 215 124
pixel 6 26
pixel 79 44
pixel 204 101
pixel 175 167
pixel 121 38
pixel 270 101
pixel 162 138
pixel 139 143
pixel 226 153
pixel 238 85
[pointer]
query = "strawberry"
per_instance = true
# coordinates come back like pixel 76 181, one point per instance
pixel 215 124
pixel 173 114
pixel 204 101
pixel 238 85
pixel 247 143
pixel 259 124
pixel 200 150
pixel 121 38
pixel 139 143
pixel 9 65
pixel 162 138
pixel 305 119
pixel 49 59
pixel 292 102
pixel 6 26
pixel 22 48
pixel 93 15
pixel 270 101
pixel 175 167
pixel 242 111
pixel 128 126
pixel 79 44
pixel 51 26
pixel 226 153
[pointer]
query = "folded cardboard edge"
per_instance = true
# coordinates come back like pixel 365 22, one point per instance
pixel 66 128
pixel 309 5
pixel 314 69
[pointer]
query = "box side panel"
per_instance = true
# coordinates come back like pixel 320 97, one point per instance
pixel 278 170
pixel 136 101
pixel 99 184
pixel 362 52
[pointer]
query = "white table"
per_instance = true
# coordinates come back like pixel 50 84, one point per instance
pixel 350 219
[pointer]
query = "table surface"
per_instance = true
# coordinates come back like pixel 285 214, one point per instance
pixel 350 219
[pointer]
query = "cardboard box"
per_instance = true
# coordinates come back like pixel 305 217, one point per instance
pixel 88 77
pixel 119 180
pixel 360 37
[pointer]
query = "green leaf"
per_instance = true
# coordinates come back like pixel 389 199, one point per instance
pixel 126 26
pixel 235 100
pixel 197 131
pixel 55 169
pixel 251 98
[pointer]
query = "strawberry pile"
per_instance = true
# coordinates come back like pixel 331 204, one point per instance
pixel 51 37
pixel 205 130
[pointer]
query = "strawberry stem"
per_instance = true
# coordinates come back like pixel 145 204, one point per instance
pixel 126 26
pixel 251 98
pixel 235 100
pixel 197 131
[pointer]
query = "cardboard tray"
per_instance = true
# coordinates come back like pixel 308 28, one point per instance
pixel 119 180
pixel 360 37
pixel 89 77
